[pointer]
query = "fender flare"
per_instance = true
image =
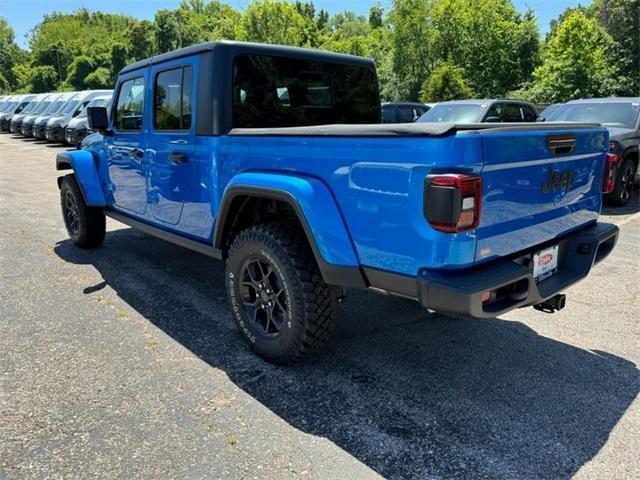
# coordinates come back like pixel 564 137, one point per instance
pixel 317 213
pixel 85 168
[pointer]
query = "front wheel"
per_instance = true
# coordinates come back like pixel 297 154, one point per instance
pixel 86 225
pixel 278 298
pixel 623 187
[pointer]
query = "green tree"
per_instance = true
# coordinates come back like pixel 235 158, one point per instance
pixel 576 61
pixel 139 39
pixel 447 82
pixel 100 78
pixel 10 56
pixel 61 37
pixel 166 32
pixel 44 78
pixel 119 55
pixel 495 45
pixel 621 20
pixel 79 69
pixel 412 58
pixel 376 16
pixel 273 21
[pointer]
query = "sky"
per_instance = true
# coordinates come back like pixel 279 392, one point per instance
pixel 23 15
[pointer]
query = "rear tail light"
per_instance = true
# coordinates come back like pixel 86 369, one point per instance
pixel 611 168
pixel 452 202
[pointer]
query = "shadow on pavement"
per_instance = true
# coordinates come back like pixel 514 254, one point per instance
pixel 410 394
pixel 633 206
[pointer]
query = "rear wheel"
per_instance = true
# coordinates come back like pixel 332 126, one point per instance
pixel 623 188
pixel 86 225
pixel 278 298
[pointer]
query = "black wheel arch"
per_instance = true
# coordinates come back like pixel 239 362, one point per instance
pixel 237 199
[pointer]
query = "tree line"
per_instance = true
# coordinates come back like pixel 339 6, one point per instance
pixel 429 50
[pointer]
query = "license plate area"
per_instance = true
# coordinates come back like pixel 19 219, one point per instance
pixel 545 263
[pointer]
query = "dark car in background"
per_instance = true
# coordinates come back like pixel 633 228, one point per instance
pixel 481 111
pixel 621 116
pixel 402 112
pixel 547 111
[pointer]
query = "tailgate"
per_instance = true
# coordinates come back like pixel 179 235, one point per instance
pixel 538 184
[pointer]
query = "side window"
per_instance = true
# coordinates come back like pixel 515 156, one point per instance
pixel 172 99
pixel 388 114
pixel 529 114
pixel 495 113
pixel 81 108
pixel 511 113
pixel 130 105
pixel 406 114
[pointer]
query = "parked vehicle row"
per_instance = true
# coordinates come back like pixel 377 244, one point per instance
pixel 621 116
pixel 55 117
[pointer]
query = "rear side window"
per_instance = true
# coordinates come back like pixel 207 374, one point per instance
pixel 130 105
pixel 388 114
pixel 405 115
pixel 505 112
pixel 529 114
pixel 285 92
pixel 172 99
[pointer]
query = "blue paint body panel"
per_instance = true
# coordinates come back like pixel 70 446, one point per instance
pixel 362 196
pixel 319 209
pixel 87 175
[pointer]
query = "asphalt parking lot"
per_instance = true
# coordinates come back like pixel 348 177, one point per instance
pixel 123 362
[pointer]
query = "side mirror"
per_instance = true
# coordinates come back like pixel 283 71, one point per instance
pixel 492 120
pixel 98 119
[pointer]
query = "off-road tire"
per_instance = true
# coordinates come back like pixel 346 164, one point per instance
pixel 625 182
pixel 310 317
pixel 86 225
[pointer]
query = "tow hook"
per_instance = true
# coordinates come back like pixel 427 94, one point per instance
pixel 552 304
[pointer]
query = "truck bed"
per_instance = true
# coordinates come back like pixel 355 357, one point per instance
pixel 405 129
pixel 377 175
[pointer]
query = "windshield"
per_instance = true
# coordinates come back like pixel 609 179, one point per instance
pixel 614 114
pixel 8 106
pixel 41 107
pixel 454 113
pixel 69 107
pixel 96 102
pixel 54 107
pixel 31 107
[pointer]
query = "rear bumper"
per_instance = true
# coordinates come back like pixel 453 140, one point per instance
pixel 510 280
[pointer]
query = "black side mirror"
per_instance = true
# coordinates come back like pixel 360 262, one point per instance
pixel 98 119
pixel 492 120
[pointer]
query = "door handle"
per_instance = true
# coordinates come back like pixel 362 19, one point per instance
pixel 136 153
pixel 178 158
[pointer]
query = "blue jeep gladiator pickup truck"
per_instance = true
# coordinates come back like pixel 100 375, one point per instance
pixel 274 159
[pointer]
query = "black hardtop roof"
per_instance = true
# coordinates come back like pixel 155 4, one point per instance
pixel 251 48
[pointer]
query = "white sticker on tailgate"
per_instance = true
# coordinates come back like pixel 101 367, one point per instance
pixel 545 263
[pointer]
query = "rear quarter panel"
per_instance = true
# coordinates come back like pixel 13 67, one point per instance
pixel 378 186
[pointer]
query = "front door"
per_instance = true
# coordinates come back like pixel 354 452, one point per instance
pixel 126 146
pixel 172 143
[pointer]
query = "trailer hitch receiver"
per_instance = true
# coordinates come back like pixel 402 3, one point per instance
pixel 553 304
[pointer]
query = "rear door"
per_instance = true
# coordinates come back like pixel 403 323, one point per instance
pixel 172 143
pixel 126 147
